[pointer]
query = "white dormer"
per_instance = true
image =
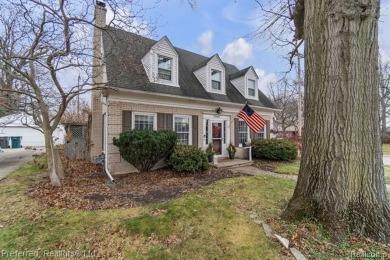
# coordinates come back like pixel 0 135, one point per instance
pixel 211 74
pixel 246 81
pixel 161 63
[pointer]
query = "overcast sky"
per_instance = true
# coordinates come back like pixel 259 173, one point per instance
pixel 224 26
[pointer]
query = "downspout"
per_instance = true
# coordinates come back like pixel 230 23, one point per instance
pixel 106 141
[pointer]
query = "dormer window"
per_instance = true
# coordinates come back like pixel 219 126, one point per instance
pixel 251 88
pixel 216 79
pixel 164 68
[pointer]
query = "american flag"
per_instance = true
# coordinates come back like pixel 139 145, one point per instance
pixel 251 118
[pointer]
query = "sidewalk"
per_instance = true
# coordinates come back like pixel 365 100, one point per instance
pixel 251 170
pixel 12 159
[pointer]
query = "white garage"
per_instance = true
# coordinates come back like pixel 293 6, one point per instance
pixel 15 134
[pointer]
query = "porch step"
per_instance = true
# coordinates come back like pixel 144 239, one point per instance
pixel 226 163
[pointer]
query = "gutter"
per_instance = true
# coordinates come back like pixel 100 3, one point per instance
pixel 106 142
pixel 190 99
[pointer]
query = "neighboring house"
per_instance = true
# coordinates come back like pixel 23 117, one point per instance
pixel 279 133
pixel 14 133
pixel 154 85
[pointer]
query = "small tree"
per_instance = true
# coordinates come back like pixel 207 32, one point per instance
pixel 46 55
pixel 384 86
pixel 144 148
pixel 285 97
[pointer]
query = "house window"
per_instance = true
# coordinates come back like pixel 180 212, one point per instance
pixel 207 131
pixel 251 88
pixel 144 121
pixel 216 79
pixel 260 134
pixel 242 132
pixel 182 127
pixel 164 68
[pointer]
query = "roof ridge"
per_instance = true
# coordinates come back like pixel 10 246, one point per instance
pixel 175 47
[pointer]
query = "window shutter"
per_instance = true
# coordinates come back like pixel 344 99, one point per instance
pixel 164 121
pixel 236 141
pixel 168 121
pixel 195 131
pixel 160 121
pixel 126 121
pixel 252 135
pixel 267 129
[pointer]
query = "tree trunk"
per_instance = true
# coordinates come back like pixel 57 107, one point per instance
pixel 341 179
pixel 55 167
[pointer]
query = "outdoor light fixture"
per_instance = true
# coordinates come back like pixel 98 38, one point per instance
pixel 218 110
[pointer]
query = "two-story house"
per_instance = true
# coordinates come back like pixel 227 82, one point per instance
pixel 155 85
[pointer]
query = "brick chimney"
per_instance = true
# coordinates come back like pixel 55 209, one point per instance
pixel 98 79
pixel 100 14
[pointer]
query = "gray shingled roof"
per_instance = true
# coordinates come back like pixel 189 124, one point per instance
pixel 124 51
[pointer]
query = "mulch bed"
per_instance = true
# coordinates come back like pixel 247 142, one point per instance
pixel 265 165
pixel 86 186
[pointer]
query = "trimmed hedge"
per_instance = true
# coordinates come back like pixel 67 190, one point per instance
pixel 274 149
pixel 187 158
pixel 144 148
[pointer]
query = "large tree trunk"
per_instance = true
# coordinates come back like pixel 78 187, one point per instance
pixel 341 179
pixel 55 167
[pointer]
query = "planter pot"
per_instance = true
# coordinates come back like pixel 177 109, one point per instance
pixel 231 155
pixel 210 157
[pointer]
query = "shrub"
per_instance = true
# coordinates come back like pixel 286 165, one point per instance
pixel 144 148
pixel 274 149
pixel 187 158
pixel 385 138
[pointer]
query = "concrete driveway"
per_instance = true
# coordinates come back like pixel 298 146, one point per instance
pixel 386 159
pixel 12 159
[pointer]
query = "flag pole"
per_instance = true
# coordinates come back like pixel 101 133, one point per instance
pixel 246 102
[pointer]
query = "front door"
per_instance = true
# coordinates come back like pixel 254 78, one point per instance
pixel 217 135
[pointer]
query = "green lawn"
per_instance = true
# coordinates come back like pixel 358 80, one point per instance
pixel 386 149
pixel 288 167
pixel 212 222
pixel 387 174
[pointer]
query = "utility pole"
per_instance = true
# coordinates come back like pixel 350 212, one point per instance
pixel 299 96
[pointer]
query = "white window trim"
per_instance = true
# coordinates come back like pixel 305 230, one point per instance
pixel 247 87
pixel 264 131
pixel 144 114
pixel 248 132
pixel 220 80
pixel 190 126
pixel 174 72
pixel 172 61
pixel 256 96
pixel 223 83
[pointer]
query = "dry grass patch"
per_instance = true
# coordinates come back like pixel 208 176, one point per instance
pixel 213 221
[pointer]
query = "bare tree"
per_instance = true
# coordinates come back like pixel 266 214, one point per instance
pixel 341 178
pixel 384 85
pixel 284 95
pixel 76 112
pixel 46 57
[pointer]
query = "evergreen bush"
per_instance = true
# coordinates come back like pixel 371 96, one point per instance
pixel 274 149
pixel 187 158
pixel 144 148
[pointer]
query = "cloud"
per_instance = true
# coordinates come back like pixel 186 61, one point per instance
pixel 237 52
pixel 205 42
pixel 265 79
